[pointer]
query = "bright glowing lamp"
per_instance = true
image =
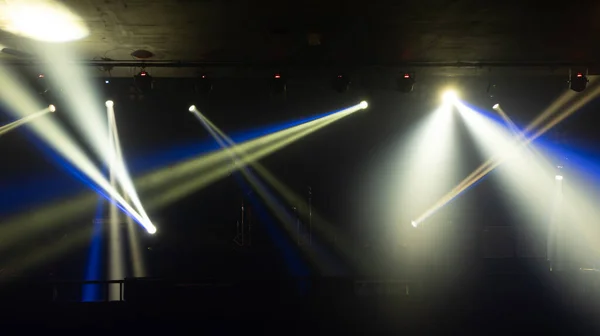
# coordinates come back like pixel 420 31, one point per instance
pixel 363 105
pixel 109 103
pixel 558 177
pixel 450 96
pixel 52 108
pixel 496 106
pixel 192 108
pixel 414 224
pixel 42 20
pixel 152 229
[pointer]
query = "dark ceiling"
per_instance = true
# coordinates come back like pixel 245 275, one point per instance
pixel 341 33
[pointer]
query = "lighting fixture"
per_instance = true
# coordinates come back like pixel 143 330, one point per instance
pixel 41 84
pixel 449 96
pixel 278 84
pixel 203 84
pixel 143 81
pixel 341 83
pixel 405 82
pixel 578 82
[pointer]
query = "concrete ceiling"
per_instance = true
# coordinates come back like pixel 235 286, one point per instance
pixel 376 32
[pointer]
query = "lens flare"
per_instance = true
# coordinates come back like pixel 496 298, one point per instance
pixel 450 96
pixel 42 20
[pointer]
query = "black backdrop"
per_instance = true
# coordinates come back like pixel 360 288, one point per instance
pixel 341 163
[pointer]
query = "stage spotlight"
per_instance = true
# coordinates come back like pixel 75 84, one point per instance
pixel 405 83
pixel 558 177
pixel 109 103
pixel 143 81
pixel 363 105
pixel 496 106
pixel 414 224
pixel 578 82
pixel 203 84
pixel 449 96
pixel 278 84
pixel 341 83
pixel 52 108
pixel 192 108
pixel 42 84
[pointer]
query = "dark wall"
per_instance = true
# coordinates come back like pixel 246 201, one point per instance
pixel 342 163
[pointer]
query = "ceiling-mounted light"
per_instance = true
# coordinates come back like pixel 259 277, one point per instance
pixel 41 84
pixel 405 82
pixel 341 83
pixel 143 81
pixel 578 82
pixel 203 84
pixel 278 84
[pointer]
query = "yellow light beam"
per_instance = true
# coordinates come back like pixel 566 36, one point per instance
pixel 64 211
pixel 121 171
pixel 184 170
pixel 192 185
pixel 564 98
pixel 322 227
pixel 17 227
pixel 9 127
pixel 499 159
pixel 282 216
pixel 280 213
pixel 116 267
pixel 46 253
pixel 136 256
pixel 19 102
